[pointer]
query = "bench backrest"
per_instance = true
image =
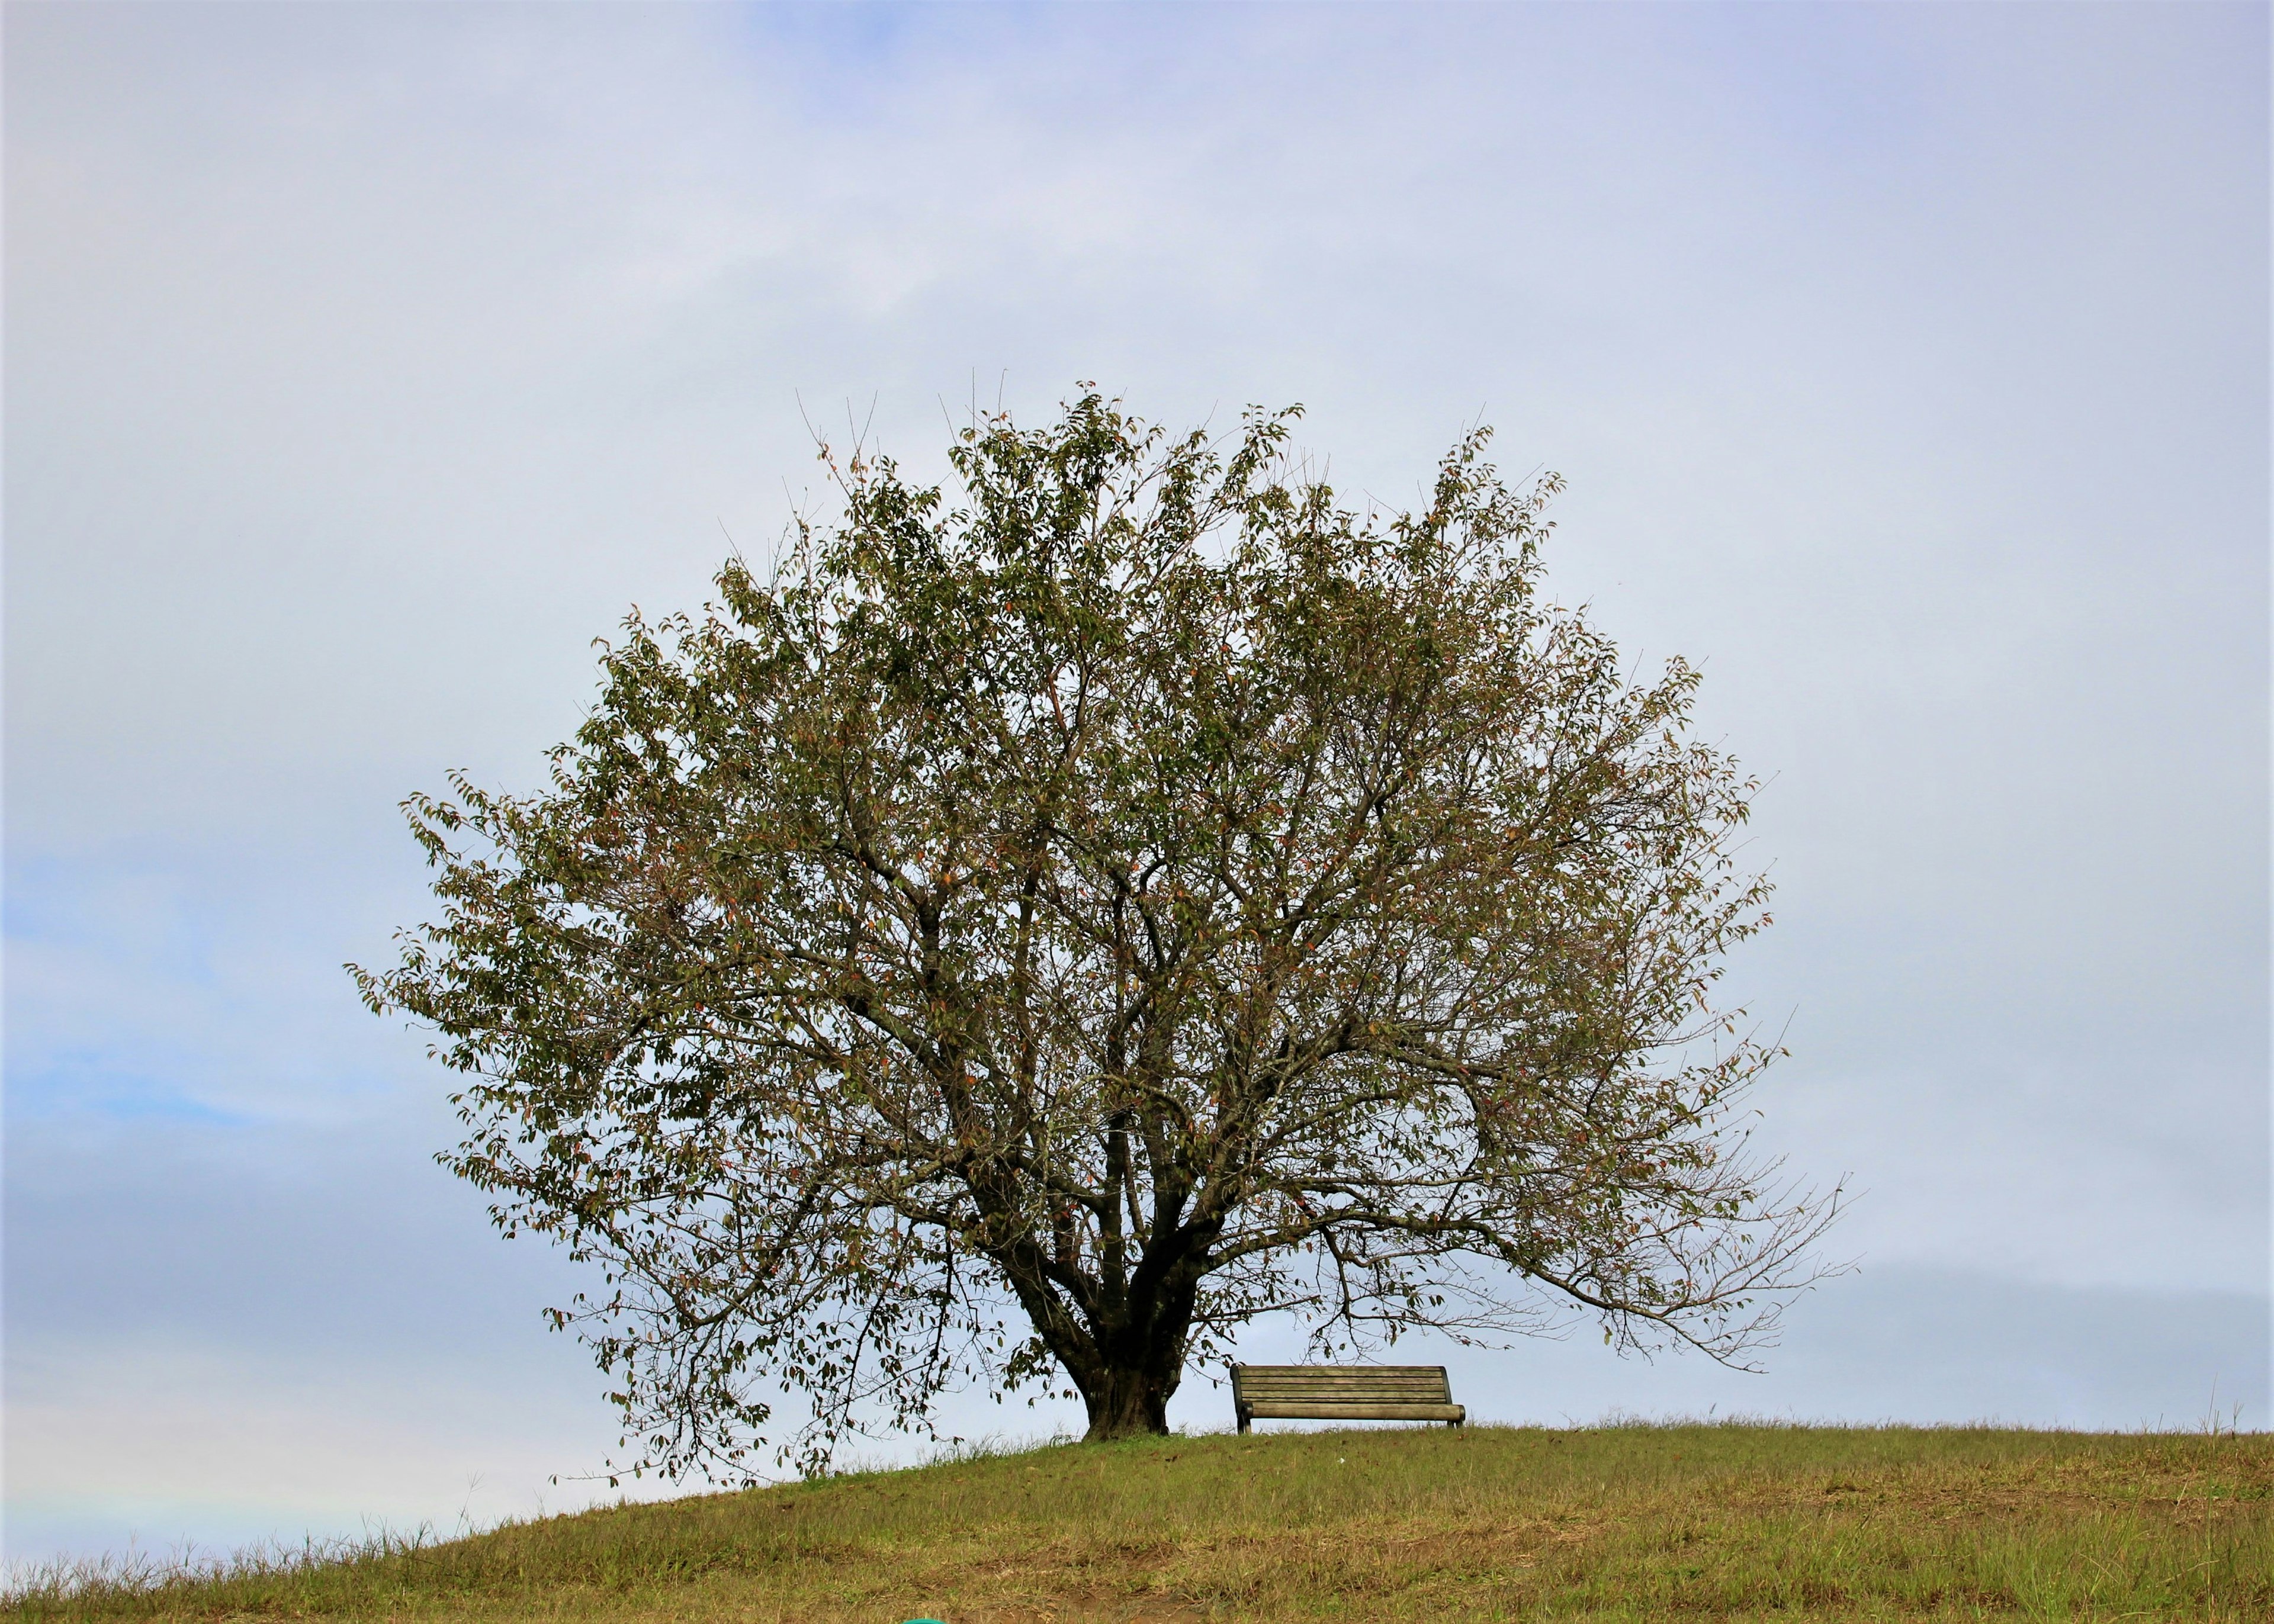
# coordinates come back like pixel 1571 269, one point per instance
pixel 1346 1384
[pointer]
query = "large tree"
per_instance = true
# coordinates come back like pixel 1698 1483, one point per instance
pixel 1033 931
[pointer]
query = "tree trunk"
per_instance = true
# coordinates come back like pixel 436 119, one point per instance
pixel 1127 1366
pixel 1127 1403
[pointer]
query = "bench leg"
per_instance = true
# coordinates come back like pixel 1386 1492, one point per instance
pixel 1243 1426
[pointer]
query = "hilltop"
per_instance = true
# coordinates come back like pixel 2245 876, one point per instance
pixel 1696 1521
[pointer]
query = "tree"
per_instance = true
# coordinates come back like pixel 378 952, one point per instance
pixel 1138 898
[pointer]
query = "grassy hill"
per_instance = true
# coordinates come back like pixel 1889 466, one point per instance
pixel 1696 1523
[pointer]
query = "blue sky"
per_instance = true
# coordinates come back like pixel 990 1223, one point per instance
pixel 1908 365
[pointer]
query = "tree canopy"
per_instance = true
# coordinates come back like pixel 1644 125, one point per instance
pixel 1048 921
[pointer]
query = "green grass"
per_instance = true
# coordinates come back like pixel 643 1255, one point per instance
pixel 1690 1522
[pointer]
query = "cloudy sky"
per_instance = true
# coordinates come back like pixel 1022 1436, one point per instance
pixel 1908 367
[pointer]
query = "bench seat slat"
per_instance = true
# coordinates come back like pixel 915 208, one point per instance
pixel 1348 1395
pixel 1342 1370
pixel 1343 1387
pixel 1344 1381
pixel 1265 1409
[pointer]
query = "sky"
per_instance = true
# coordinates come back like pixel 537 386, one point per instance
pixel 1908 365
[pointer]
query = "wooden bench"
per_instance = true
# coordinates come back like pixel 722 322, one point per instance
pixel 1343 1393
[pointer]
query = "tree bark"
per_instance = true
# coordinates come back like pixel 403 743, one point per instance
pixel 1131 1369
pixel 1127 1403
